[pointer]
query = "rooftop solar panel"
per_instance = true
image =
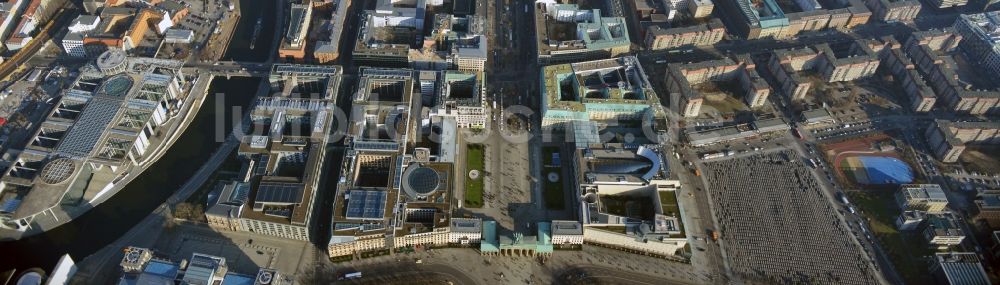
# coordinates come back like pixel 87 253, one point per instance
pixel 366 205
pixel 279 192
pixel 262 162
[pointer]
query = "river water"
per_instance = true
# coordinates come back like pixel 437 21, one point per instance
pixel 102 225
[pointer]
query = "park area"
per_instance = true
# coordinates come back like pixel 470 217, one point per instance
pixel 906 249
pixel 474 182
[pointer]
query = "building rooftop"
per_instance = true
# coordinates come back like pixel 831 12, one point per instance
pixel 923 192
pixel 567 228
pixel 562 28
pixel 289 131
pixel 961 268
pixel 988 26
pixel 595 85
pixel 94 123
pixel 944 224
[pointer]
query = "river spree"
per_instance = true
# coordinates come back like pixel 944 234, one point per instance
pixel 104 224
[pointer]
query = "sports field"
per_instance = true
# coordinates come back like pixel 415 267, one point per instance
pixel 876 170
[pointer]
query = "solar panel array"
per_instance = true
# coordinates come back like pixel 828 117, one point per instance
pixel 781 228
pixel 262 161
pixel 279 193
pixel 366 205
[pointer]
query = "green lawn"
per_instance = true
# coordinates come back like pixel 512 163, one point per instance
pixel 474 188
pixel 905 249
pixel 553 190
pixel 668 202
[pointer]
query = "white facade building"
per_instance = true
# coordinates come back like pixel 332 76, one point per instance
pixel 567 233
pixel 72 42
pixel 465 231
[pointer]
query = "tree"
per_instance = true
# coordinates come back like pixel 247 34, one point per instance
pixel 190 212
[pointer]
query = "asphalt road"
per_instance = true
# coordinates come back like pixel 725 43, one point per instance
pixel 589 274
pixel 410 273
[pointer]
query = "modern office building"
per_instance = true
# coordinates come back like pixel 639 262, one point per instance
pixel 910 220
pixel 106 124
pixel 385 37
pixel 283 155
pixel 947 140
pixel 462 95
pixel 465 231
pixel 943 230
pixel 230 198
pixel 456 42
pixel 955 268
pixel 72 42
pixel 393 35
pixel 293 43
pixel 925 197
pixel 980 39
pixel 391 195
pixel 593 92
pixel 988 207
pixel 942 4
pixel 143 266
pixel 565 33
pixel 627 199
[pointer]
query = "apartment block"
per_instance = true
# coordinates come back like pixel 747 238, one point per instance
pixel 920 96
pixel 894 10
pixel 844 62
pixel 959 87
pixel 948 139
pixel 700 35
pixel 700 8
pixel 684 81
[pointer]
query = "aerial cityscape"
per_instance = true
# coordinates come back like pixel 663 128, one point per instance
pixel 255 142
